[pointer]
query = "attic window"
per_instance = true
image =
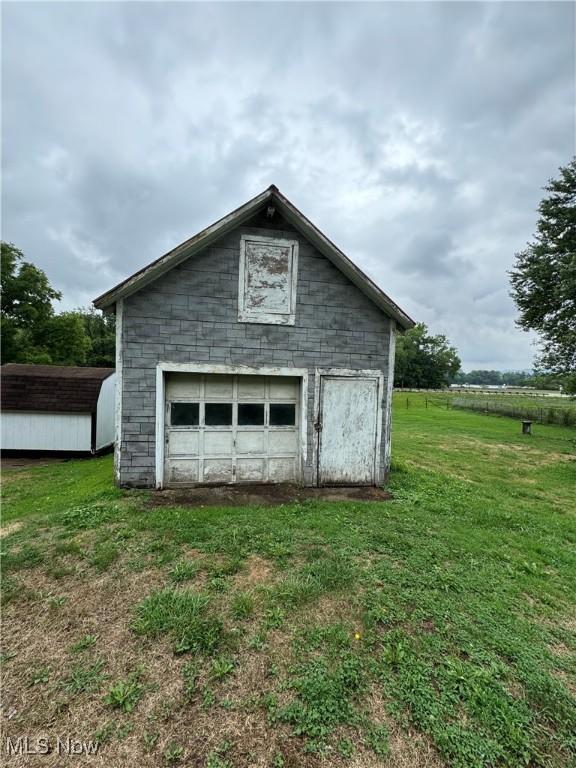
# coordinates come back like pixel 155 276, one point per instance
pixel 267 283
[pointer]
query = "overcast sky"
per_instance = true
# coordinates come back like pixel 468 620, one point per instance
pixel 416 136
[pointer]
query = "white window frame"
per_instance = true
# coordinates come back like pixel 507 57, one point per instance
pixel 272 318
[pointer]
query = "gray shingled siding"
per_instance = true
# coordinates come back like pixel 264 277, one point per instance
pixel 190 316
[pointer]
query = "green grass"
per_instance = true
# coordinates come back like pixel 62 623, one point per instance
pixel 125 694
pixel 184 616
pixel 50 489
pixel 242 605
pixel 105 553
pixel 454 604
pixel 85 677
pixel 184 571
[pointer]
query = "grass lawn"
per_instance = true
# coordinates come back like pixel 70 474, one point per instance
pixel 435 629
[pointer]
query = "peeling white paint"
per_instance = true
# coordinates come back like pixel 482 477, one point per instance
pixel 388 405
pixel 267 280
pixel 347 431
pixel 348 426
pixel 232 452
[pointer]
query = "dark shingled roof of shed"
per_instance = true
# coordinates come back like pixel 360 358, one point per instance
pixel 51 388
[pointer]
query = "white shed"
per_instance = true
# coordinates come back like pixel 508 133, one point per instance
pixel 49 408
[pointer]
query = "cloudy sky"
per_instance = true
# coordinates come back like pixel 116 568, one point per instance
pixel 417 136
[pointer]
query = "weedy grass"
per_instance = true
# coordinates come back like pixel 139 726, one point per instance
pixel 453 605
pixel 85 677
pixel 243 605
pixel 125 694
pixel 221 667
pixel 86 642
pixel 184 571
pixel 184 616
pixel 57 487
pixel 105 553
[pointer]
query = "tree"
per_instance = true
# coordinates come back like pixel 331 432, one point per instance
pixel 26 301
pixel 101 330
pixel 66 340
pixel 31 331
pixel 424 361
pixel 544 276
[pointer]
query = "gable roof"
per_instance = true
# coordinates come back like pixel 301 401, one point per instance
pixel 51 388
pixel 215 231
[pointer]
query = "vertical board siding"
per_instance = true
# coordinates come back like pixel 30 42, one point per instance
pixel 33 431
pixel 190 315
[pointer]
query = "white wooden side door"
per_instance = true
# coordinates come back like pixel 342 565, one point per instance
pixel 347 430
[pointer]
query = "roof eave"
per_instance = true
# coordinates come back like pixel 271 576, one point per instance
pixel 182 252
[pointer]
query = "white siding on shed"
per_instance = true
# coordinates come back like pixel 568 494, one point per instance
pixel 34 431
pixel 105 428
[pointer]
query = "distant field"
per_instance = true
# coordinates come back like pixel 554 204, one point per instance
pixel 543 409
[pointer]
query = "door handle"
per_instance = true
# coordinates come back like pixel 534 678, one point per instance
pixel 318 425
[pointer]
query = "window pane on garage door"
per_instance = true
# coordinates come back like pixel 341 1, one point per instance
pixel 250 414
pixel 185 414
pixel 218 414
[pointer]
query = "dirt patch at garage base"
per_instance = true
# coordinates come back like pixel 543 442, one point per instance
pixel 258 495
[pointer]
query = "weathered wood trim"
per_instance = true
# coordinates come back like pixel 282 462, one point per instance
pixel 388 406
pixel 251 316
pixel 119 384
pixel 164 367
pixel 348 373
pixel 253 370
pixel 160 426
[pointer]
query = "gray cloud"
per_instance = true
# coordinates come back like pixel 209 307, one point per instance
pixel 417 136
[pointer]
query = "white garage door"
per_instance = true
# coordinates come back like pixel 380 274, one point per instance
pixel 231 429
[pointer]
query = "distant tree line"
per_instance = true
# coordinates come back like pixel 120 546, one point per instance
pixel 32 332
pixel 426 361
pixel 536 379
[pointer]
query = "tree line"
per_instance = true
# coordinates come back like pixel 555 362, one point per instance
pixel 535 379
pixel 32 332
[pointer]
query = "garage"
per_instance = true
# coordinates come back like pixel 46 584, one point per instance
pixel 254 352
pixel 231 429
